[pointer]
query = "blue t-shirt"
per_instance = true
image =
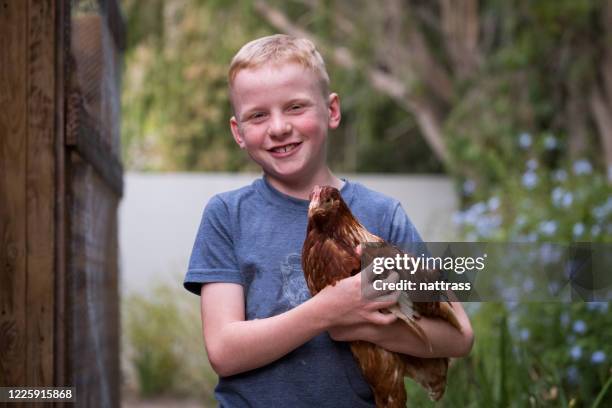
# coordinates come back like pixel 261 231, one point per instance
pixel 253 236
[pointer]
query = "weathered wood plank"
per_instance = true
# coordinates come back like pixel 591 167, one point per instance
pixel 13 146
pixel 40 192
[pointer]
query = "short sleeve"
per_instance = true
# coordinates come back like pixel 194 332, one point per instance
pixel 403 233
pixel 213 258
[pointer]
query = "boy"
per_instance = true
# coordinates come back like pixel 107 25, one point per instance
pixel 271 343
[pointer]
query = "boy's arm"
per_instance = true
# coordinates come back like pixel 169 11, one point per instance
pixel 446 340
pixel 235 345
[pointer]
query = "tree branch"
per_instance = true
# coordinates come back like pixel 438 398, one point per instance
pixel 602 114
pixel 600 99
pixel 461 26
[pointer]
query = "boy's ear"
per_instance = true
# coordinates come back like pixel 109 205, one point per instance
pixel 334 110
pixel 235 127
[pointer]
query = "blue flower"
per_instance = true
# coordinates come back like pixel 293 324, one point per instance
pixel 601 211
pixel 493 203
pixel 479 207
pixel 578 229
pixel 469 186
pixel 564 318
pixel 599 306
pixel 530 179
pixel 549 253
pixel 458 218
pixel 511 305
pixel 524 140
pixel 567 199
pixel 598 357
pixel 550 142
pixel 560 175
pixel 576 352
pixel 524 334
pixel 572 374
pixel 553 287
pixel 582 166
pixel 511 294
pixel 557 195
pixel 532 164
pixel 580 326
pixel 595 230
pixel 548 227
pixel 528 285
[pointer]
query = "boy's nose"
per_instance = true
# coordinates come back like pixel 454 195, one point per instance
pixel 279 127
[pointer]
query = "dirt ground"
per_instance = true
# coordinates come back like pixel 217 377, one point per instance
pixel 131 400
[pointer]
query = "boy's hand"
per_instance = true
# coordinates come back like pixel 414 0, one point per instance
pixel 349 305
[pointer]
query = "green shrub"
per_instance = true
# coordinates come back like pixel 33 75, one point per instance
pixel 163 345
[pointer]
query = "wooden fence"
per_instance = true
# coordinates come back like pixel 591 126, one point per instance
pixel 61 180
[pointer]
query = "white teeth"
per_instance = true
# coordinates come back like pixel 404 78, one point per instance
pixel 285 149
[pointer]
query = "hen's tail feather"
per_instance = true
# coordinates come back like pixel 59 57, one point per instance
pixel 430 373
pixel 384 401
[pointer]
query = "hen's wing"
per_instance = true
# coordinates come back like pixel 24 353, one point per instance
pixel 411 305
pixel 325 262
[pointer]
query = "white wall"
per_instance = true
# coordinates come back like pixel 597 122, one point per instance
pixel 160 214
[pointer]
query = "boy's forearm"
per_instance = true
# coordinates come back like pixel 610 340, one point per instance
pixel 446 340
pixel 246 345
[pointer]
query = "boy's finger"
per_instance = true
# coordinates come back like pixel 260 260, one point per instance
pixel 382 318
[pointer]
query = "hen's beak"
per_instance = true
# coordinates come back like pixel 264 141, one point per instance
pixel 315 197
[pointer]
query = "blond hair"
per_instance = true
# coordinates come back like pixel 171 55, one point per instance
pixel 276 49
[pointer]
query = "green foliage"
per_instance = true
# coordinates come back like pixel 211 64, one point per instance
pixel 540 199
pixel 163 344
pixel 174 102
pixel 526 355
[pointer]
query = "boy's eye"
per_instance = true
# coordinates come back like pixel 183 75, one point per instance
pixel 257 115
pixel 295 107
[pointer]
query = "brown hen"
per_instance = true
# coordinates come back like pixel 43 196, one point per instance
pixel 328 256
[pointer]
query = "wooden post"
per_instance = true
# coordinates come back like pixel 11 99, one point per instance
pixel 27 192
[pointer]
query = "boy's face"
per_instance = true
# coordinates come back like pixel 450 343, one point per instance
pixel 282 120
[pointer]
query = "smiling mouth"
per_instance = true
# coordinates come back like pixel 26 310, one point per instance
pixel 285 148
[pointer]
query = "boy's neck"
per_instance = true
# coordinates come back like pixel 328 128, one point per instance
pixel 302 188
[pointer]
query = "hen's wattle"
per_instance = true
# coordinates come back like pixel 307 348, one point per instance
pixel 329 255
